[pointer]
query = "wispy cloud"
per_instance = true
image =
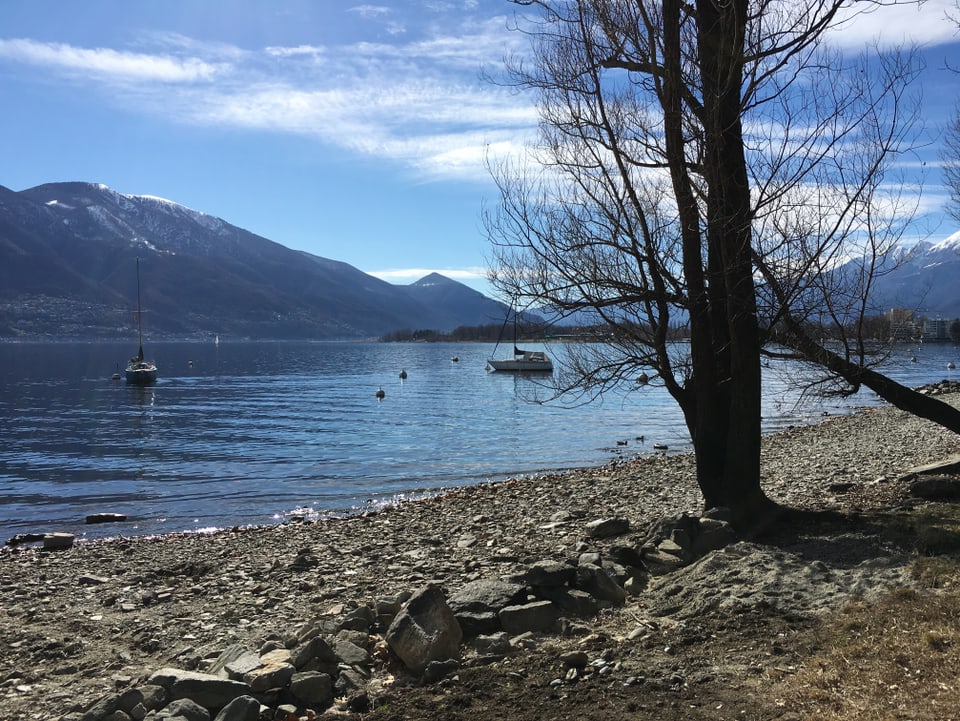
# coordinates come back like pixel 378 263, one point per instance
pixel 411 275
pixel 107 63
pixel 422 104
pixel 924 24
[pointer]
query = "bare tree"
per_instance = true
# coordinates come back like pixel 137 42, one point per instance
pixel 686 151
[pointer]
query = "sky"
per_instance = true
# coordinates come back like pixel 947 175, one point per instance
pixel 354 131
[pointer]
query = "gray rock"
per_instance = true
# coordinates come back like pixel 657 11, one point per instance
pixel 597 582
pixel 660 563
pixel 105 518
pixel 312 688
pixel 539 616
pixel 495 644
pixel 273 673
pixel 235 661
pixel 57 541
pixel 549 573
pixel 668 545
pixel 627 556
pixel 315 655
pixel 714 535
pixel 360 619
pixel 486 595
pixel 943 488
pixel 242 708
pixel 101 708
pixel 590 557
pixel 476 623
pixel 608 527
pixel 437 670
pixel 425 630
pixel 350 653
pixel 185 709
pixel 208 691
pixel 572 601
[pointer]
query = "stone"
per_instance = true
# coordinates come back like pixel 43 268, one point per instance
pixel 597 582
pixel 549 573
pixel 486 595
pixel 316 654
pixel 350 653
pixel 208 691
pixel 572 601
pixel 607 527
pixel 437 670
pixel 100 708
pixel 942 488
pixel 476 623
pixel 626 556
pixel 360 619
pixel 105 518
pixel 242 708
pixel 272 674
pixel 312 688
pixel 184 709
pixel 495 644
pixel 539 616
pixel 425 630
pixel 660 563
pixel 235 661
pixel 57 541
pixel 714 535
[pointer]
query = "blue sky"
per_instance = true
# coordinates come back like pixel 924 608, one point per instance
pixel 353 131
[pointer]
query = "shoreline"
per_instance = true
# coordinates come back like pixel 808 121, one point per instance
pixel 82 622
pixel 772 480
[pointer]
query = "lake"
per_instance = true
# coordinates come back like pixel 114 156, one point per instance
pixel 254 433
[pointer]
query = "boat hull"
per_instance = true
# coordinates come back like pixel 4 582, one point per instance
pixel 522 365
pixel 142 376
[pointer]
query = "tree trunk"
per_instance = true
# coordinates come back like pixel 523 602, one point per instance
pixel 906 399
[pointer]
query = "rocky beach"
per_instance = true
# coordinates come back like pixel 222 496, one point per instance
pixel 597 593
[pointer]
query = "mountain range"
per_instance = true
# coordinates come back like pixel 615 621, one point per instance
pixel 68 255
pixel 924 279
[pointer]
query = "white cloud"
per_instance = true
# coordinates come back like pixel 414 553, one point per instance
pixel 421 104
pixel 924 24
pixel 411 275
pixel 370 11
pixel 111 63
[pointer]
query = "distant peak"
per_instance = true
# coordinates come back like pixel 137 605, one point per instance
pixel 433 279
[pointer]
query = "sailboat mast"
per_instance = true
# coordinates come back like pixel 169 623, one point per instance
pixel 139 324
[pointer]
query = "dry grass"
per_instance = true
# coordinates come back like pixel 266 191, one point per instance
pixel 896 659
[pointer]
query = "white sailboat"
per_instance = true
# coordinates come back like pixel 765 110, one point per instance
pixel 139 371
pixel 523 361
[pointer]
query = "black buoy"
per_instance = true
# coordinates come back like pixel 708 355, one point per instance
pixel 380 393
pixel 403 375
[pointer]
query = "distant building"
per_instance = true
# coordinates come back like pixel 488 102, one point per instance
pixel 936 329
pixel 902 325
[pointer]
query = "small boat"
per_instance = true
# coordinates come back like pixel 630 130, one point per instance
pixel 523 361
pixel 139 371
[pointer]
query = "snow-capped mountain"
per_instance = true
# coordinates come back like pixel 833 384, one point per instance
pixel 67 268
pixel 924 278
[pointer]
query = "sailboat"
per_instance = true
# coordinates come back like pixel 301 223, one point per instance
pixel 139 371
pixel 523 361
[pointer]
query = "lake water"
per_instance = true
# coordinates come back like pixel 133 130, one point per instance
pixel 252 433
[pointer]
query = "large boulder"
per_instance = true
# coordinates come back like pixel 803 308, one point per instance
pixel 425 630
